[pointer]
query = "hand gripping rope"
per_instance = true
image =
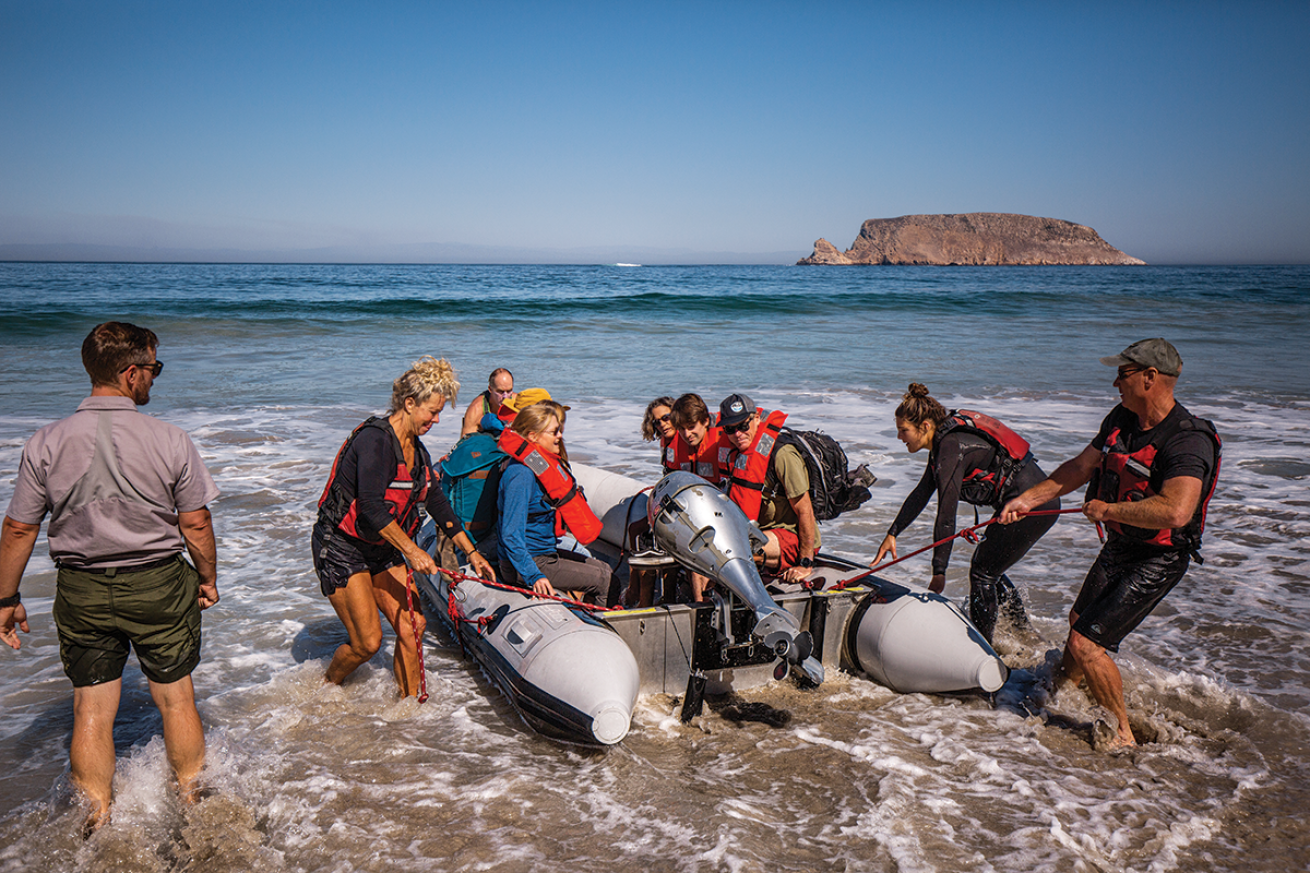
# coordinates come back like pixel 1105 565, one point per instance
pixel 969 534
pixel 457 615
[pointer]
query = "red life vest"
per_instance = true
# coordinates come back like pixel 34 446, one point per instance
pixel 669 452
pixel 506 414
pixel 404 494
pixel 746 471
pixel 709 458
pixel 984 487
pixel 1129 476
pixel 562 491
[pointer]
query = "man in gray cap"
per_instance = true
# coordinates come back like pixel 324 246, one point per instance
pixel 1152 468
pixel 771 487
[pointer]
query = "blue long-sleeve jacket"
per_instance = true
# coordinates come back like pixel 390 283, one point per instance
pixel 527 522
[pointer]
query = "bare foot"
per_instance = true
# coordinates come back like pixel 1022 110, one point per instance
pixel 1107 739
pixel 95 820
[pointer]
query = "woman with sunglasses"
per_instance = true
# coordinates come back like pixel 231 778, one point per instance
pixel 537 502
pixel 658 423
pixel 971 458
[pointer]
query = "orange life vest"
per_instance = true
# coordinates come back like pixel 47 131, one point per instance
pixel 708 459
pixel 562 491
pixel 747 470
pixel 669 452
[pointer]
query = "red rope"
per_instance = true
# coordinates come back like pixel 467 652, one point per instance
pixel 456 577
pixel 970 534
pixel 418 641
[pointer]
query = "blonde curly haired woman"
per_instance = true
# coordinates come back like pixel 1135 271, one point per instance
pixel 368 517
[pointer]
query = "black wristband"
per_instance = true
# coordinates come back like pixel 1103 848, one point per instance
pixel 6 602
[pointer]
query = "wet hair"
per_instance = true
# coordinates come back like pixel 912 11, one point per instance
pixel 112 347
pixel 491 380
pixel 536 418
pixel 918 407
pixel 426 377
pixel 689 410
pixel 648 431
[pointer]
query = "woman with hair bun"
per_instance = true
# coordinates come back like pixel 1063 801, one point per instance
pixel 975 459
pixel 369 515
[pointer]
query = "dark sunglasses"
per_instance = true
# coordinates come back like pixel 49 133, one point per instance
pixel 665 417
pixel 737 428
pixel 155 369
pixel 1125 372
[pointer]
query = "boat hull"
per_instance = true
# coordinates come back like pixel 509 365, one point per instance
pixel 567 675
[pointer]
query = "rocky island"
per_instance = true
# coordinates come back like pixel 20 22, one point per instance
pixel 971 239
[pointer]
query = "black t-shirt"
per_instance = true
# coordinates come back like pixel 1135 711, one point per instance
pixel 1189 452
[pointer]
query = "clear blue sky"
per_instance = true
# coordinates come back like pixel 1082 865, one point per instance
pixel 1180 131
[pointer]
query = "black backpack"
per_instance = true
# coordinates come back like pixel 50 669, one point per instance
pixel 833 489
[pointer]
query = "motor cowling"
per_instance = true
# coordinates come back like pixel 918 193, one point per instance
pixel 705 531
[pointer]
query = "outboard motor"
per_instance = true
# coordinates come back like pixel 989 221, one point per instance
pixel 700 526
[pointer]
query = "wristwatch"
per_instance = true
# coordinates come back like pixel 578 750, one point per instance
pixel 807 563
pixel 12 600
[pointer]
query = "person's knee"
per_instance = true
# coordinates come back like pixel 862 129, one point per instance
pixel 1082 649
pixel 367 644
pixel 982 580
pixel 412 626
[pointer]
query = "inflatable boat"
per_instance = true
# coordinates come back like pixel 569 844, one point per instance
pixel 576 675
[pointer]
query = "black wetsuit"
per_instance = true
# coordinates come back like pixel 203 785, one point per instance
pixel 954 455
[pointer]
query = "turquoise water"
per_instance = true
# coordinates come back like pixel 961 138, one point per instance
pixel 269 366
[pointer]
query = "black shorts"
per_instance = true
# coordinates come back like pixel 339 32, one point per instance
pixel 1124 585
pixel 100 618
pixel 344 556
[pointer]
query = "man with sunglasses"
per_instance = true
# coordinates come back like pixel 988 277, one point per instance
pixel 771 486
pixel 500 387
pixel 1152 469
pixel 125 493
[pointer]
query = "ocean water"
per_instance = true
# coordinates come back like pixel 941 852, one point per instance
pixel 268 367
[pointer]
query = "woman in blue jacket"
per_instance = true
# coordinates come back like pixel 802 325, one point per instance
pixel 529 525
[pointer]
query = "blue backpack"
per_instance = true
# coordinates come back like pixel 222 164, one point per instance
pixel 470 474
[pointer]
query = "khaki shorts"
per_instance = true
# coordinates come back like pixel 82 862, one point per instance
pixel 100 618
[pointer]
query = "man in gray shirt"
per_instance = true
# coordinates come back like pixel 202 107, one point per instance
pixel 125 492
